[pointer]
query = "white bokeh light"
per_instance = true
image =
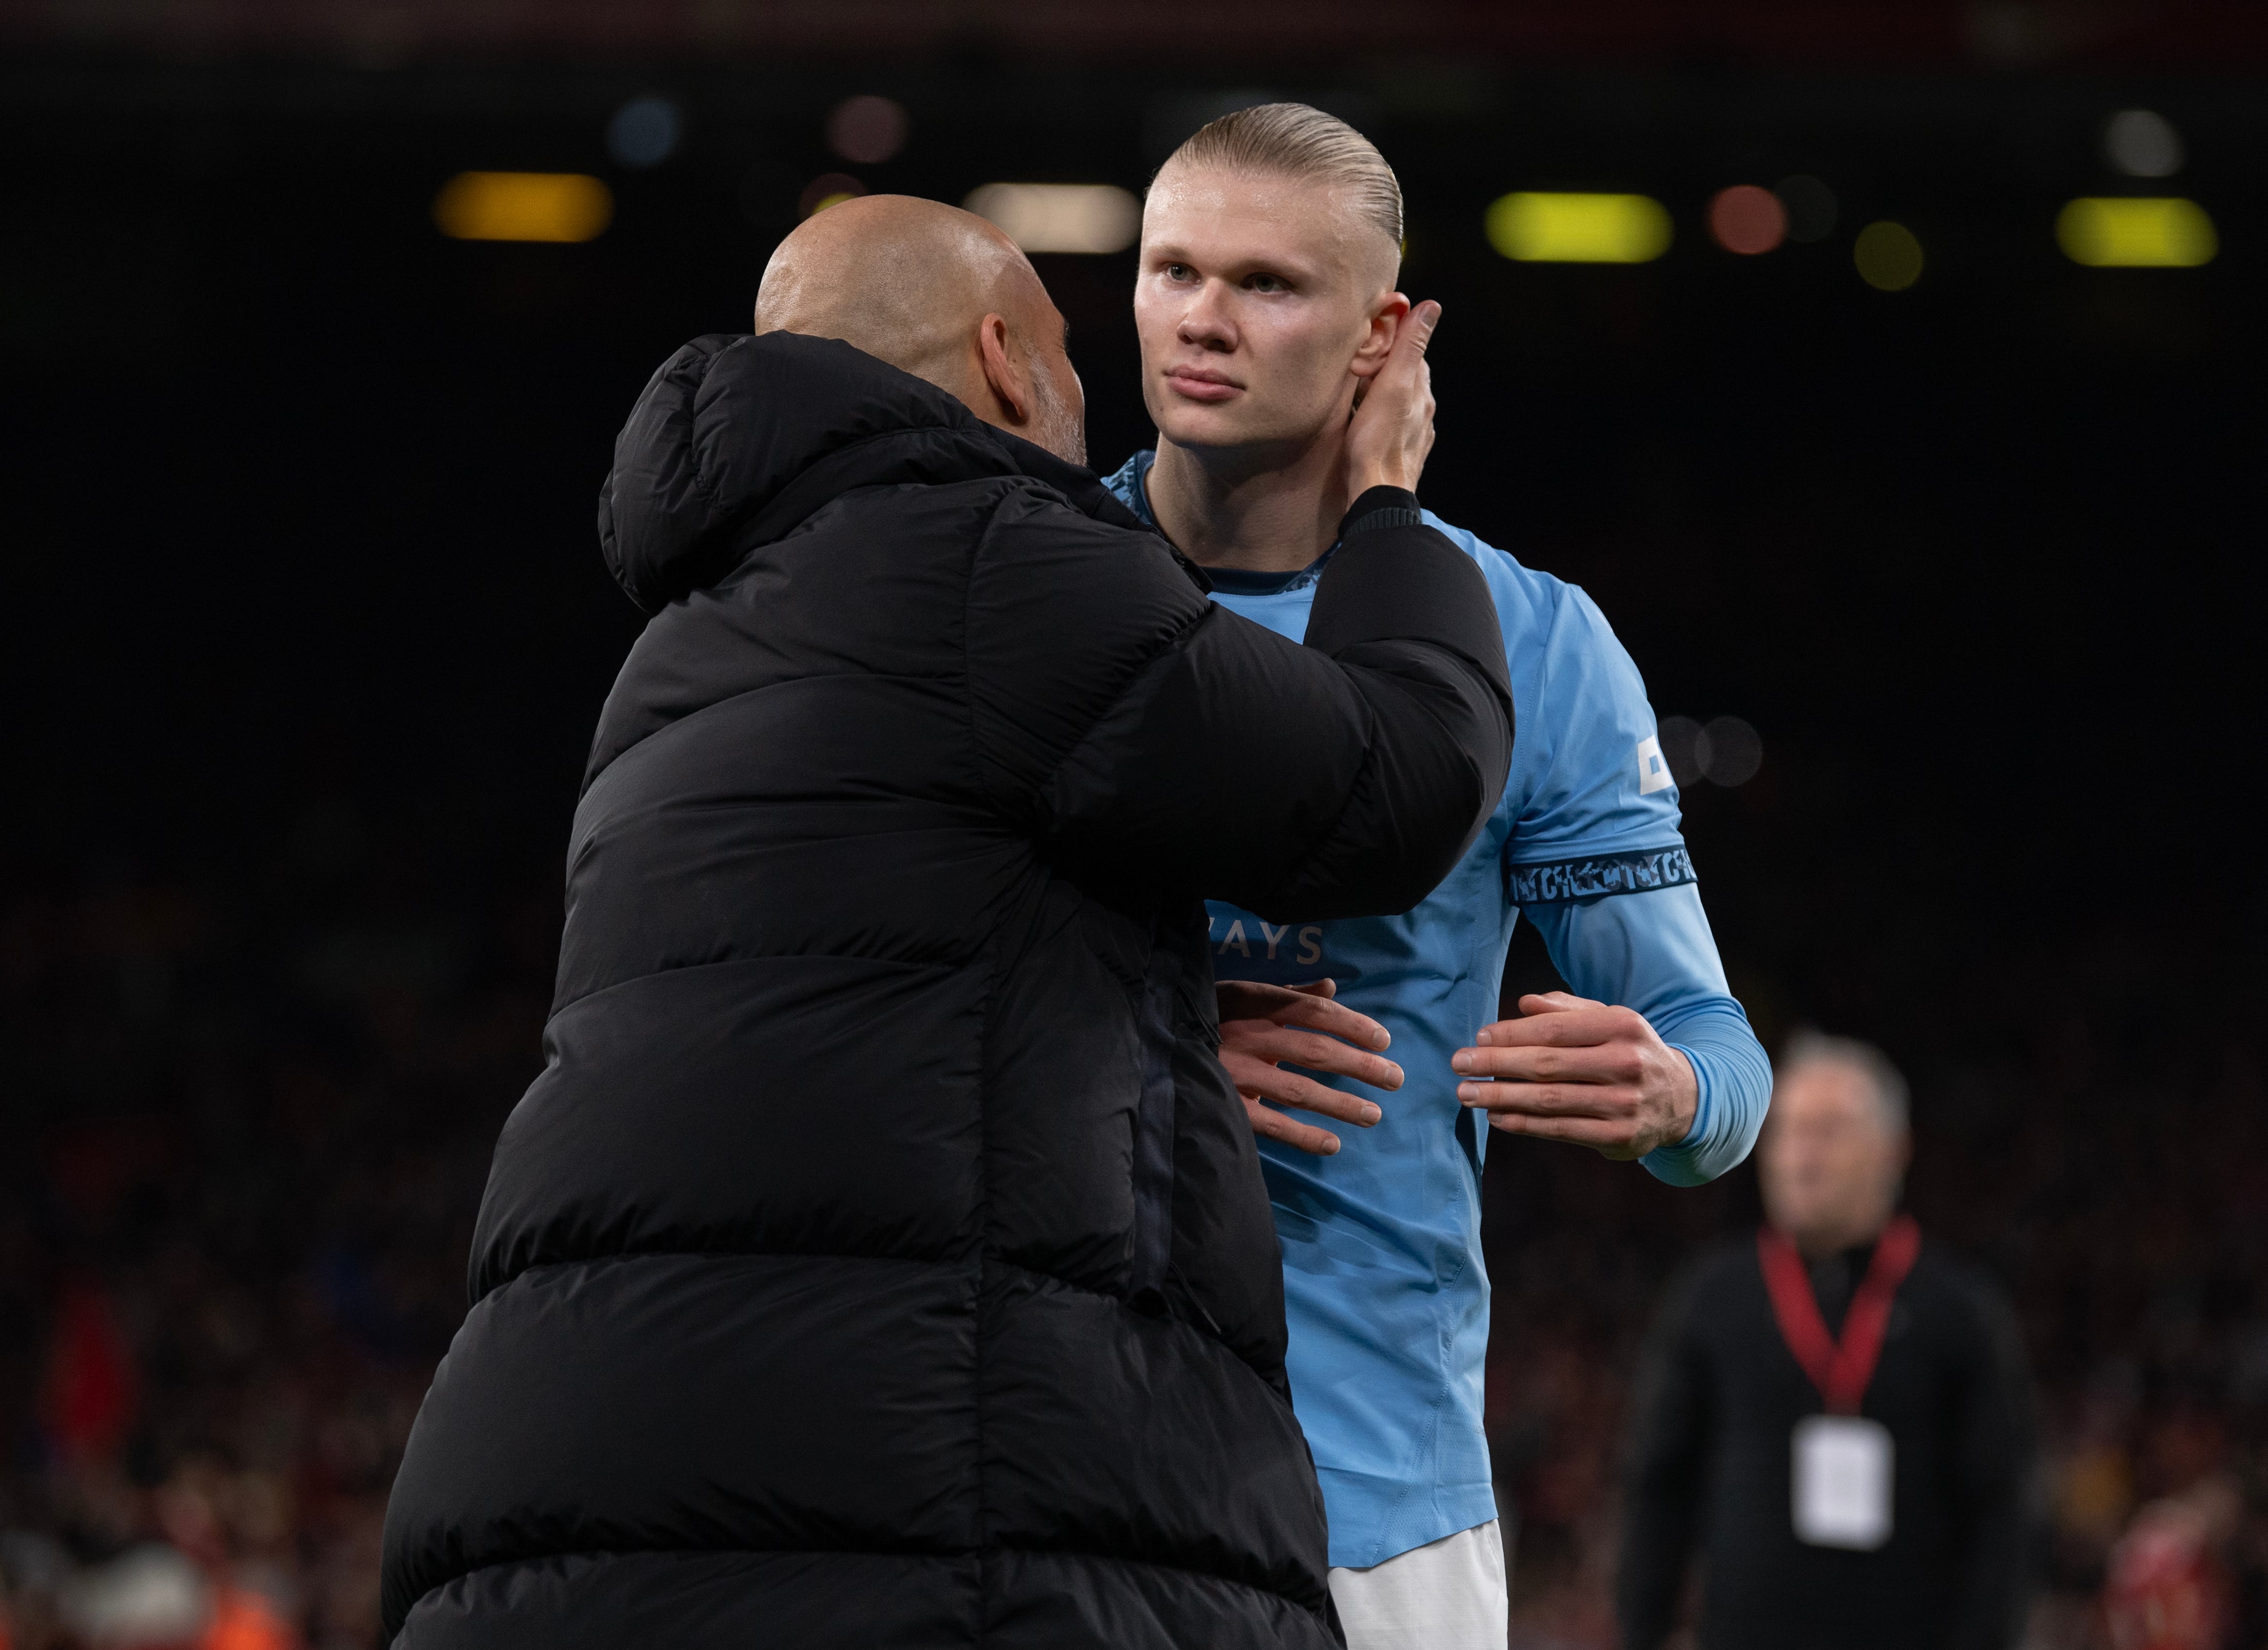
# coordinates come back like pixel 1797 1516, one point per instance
pixel 644 132
pixel 2143 144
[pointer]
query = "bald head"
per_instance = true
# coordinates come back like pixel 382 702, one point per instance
pixel 939 293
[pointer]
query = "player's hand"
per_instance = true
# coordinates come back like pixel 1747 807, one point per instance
pixel 1262 1027
pixel 1393 427
pixel 1570 1069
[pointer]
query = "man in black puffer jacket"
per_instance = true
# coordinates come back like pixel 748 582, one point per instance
pixel 882 1259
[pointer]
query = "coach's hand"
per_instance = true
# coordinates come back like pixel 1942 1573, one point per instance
pixel 1393 427
pixel 1573 1070
pixel 1259 1030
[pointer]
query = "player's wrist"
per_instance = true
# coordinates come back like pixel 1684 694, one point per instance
pixel 1684 1100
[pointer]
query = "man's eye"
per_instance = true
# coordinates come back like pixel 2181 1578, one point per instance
pixel 1177 272
pixel 1267 284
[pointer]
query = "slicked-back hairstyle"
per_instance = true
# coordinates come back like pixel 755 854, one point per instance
pixel 1888 1086
pixel 1294 141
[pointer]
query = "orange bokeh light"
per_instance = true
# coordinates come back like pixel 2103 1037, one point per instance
pixel 1746 219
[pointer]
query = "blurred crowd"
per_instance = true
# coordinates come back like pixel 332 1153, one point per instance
pixel 241 1146
pixel 2115 1192
pixel 244 1125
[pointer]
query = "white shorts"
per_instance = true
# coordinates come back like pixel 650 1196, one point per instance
pixel 1447 1594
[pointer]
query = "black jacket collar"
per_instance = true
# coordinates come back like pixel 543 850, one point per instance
pixel 738 440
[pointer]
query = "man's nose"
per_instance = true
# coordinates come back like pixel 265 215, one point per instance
pixel 1206 323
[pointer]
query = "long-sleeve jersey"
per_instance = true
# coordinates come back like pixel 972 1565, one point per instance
pixel 1385 1289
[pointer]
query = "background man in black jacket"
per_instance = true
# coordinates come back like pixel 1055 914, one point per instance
pixel 1837 1413
pixel 882 1257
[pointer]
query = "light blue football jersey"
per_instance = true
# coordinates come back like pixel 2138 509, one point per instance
pixel 1385 1290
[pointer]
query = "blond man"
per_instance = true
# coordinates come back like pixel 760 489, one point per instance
pixel 1266 301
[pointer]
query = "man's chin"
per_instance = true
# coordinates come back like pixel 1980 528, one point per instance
pixel 1203 430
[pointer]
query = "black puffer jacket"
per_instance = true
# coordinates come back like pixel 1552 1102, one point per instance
pixel 882 1258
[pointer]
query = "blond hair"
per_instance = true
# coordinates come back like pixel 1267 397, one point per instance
pixel 1294 141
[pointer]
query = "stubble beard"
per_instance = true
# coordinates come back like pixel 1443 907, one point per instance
pixel 1056 425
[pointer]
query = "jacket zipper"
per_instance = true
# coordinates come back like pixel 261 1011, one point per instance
pixel 1154 1136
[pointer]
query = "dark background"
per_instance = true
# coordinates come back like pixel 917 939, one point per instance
pixel 306 631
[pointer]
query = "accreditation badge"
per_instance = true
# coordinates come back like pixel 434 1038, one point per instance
pixel 1840 1479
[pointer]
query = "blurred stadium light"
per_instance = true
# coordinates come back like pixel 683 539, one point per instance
pixel 1547 228
pixel 1729 751
pixel 2111 231
pixel 1888 256
pixel 1998 34
pixel 2143 144
pixel 644 132
pixel 867 130
pixel 557 206
pixel 1061 216
pixel 1746 219
pixel 830 188
pixel 1726 751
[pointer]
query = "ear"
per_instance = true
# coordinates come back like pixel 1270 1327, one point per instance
pixel 1386 319
pixel 1003 375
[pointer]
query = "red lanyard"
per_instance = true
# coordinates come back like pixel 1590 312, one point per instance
pixel 1840 1372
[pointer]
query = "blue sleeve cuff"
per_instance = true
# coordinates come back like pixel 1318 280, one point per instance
pixel 1734 1077
pixel 1650 949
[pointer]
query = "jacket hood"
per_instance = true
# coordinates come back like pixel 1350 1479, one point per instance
pixel 737 439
